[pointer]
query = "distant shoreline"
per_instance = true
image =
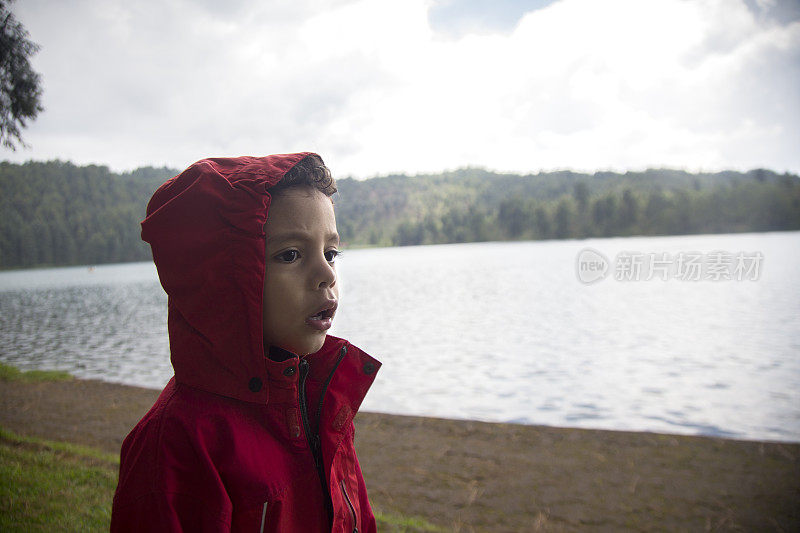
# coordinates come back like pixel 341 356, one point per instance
pixel 57 213
pixel 489 476
pixel 345 246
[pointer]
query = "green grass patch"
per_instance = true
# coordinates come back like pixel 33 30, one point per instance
pixel 86 452
pixel 405 524
pixel 11 373
pixel 52 486
pixel 47 485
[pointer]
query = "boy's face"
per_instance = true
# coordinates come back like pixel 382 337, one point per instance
pixel 300 290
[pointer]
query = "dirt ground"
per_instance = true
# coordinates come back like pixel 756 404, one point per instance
pixel 472 476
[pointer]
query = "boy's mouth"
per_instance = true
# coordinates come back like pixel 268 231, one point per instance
pixel 321 320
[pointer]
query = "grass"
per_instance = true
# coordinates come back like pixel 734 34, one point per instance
pixel 47 485
pixel 10 373
pixel 397 523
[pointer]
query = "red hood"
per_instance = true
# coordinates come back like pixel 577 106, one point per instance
pixel 206 229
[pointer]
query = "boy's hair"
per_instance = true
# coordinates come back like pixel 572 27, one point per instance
pixel 309 172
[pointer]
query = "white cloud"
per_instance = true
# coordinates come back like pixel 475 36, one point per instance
pixel 578 84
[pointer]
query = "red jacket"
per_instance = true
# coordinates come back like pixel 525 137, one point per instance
pixel 238 441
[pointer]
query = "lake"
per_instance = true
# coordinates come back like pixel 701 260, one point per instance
pixel 564 333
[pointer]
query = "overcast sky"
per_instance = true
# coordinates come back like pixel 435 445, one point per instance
pixel 383 86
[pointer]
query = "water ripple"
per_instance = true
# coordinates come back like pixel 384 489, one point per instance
pixel 488 331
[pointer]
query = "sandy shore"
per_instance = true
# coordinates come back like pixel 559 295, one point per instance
pixel 472 476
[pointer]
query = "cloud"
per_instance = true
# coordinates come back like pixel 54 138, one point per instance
pixel 375 88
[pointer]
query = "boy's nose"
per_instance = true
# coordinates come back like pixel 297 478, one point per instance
pixel 326 277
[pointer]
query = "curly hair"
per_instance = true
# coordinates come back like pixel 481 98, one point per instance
pixel 308 172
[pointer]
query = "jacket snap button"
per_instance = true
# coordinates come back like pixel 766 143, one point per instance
pixel 369 368
pixel 254 385
pixel 289 371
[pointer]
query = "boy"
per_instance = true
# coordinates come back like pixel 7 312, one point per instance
pixel 254 432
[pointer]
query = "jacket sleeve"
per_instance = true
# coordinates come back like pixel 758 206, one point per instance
pixel 167 482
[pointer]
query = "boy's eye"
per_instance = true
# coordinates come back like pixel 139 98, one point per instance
pixel 289 256
pixel 331 255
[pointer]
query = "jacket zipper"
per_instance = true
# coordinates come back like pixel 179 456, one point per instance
pixel 313 438
pixel 349 505
pixel 342 353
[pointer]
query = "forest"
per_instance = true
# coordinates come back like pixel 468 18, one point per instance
pixel 57 213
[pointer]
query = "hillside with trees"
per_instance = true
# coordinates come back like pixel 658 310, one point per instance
pixel 478 205
pixel 57 213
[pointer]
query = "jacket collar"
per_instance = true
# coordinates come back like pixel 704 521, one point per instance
pixel 347 371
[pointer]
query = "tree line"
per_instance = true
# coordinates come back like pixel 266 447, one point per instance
pixel 476 205
pixel 56 213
